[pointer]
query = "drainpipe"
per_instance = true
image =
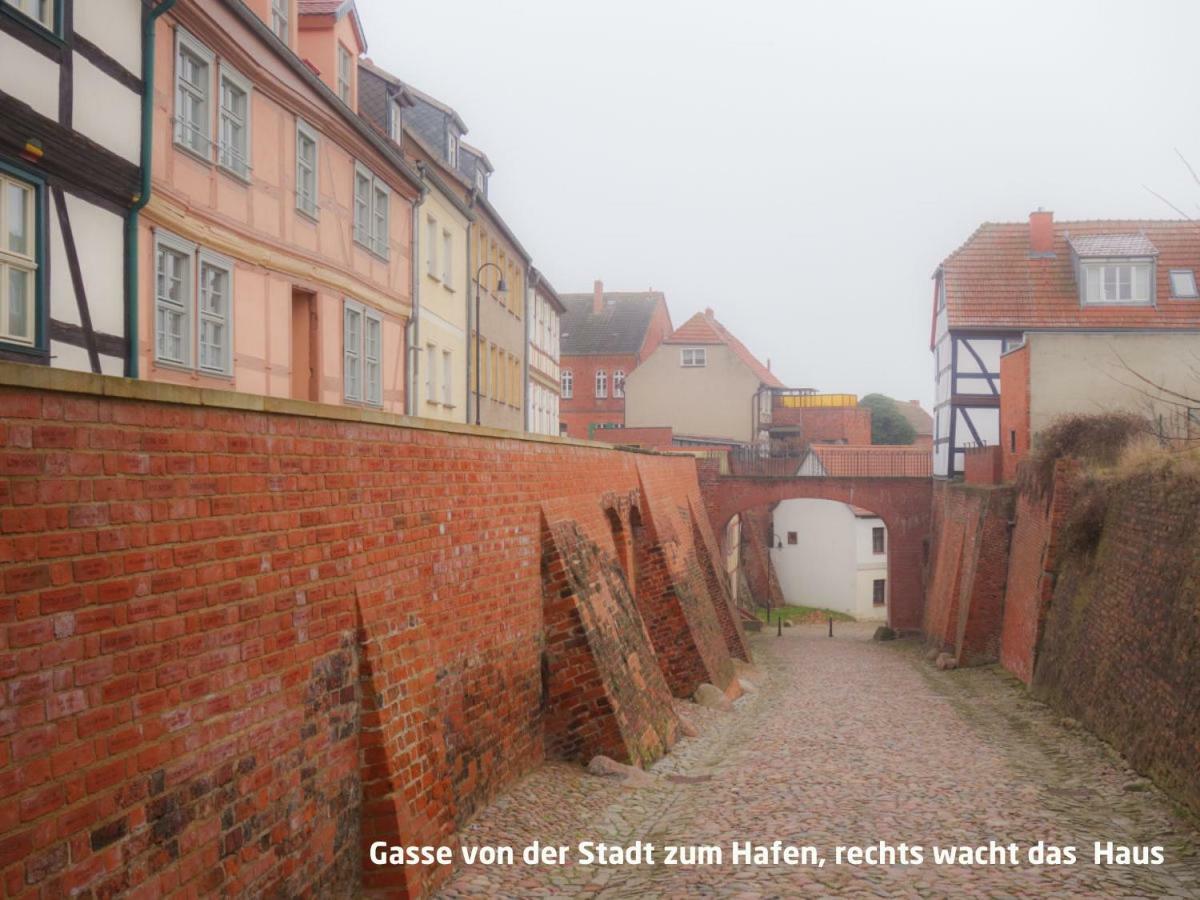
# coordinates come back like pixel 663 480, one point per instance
pixel 413 331
pixel 471 343
pixel 149 21
pixel 525 341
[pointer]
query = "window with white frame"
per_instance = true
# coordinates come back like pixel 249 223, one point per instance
pixel 618 383
pixel 215 285
pixel 693 357
pixel 447 378
pixel 1183 284
pixel 41 11
pixel 193 306
pixel 431 246
pixel 362 354
pixel 568 384
pixel 233 123
pixel 601 384
pixel 447 259
pixel 280 14
pixel 452 149
pixel 18 261
pixel 1117 283
pixel 345 75
pixel 430 373
pixel 193 93
pixel 306 169
pixel 480 177
pixel 396 122
pixel 371 201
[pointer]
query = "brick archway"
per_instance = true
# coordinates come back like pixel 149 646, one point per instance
pixel 904 504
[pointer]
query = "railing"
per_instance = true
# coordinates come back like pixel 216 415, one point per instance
pixel 833 461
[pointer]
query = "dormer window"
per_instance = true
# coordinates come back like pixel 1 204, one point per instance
pixel 452 149
pixel 396 123
pixel 1183 284
pixel 1126 283
pixel 479 178
pixel 1114 269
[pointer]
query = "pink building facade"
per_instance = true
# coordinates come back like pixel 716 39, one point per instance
pixel 275 250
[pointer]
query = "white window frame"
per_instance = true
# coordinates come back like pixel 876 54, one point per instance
pixel 618 383
pixel 693 357
pixel 452 149
pixel 29 263
pixel 447 259
pixel 1095 282
pixel 186 43
pixel 345 79
pixel 368 391
pixel 1190 275
pixel 206 258
pixel 431 261
pixel 447 378
pixel 226 159
pixel 377 210
pixel 186 308
pixel 601 384
pixel 568 384
pixel 310 208
pixel 396 122
pixel 281 19
pixel 430 373
pixel 47 21
pixel 480 178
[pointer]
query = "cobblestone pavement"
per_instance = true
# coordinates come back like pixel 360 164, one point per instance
pixel 850 742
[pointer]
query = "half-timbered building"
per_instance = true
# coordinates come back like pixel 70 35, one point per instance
pixel 70 176
pixel 1011 279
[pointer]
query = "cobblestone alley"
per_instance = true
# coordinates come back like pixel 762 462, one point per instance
pixel 851 742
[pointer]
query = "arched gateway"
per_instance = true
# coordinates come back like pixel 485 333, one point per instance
pixel 904 504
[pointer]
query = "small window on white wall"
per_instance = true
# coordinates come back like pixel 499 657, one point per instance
pixel 431 246
pixel 693 357
pixel 447 378
pixel 447 259
pixel 430 373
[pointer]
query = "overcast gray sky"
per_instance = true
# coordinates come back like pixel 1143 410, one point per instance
pixel 803 167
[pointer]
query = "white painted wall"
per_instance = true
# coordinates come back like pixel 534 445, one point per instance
pixel 832 564
pixel 29 76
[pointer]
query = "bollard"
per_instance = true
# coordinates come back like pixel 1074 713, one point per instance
pixel 779 626
pixel 831 626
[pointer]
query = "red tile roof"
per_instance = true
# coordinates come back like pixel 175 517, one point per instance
pixel 878 460
pixel 921 421
pixel 702 329
pixel 992 281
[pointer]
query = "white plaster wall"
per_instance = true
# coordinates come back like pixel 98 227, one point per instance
pixel 820 569
pixel 29 76
pixel 115 26
pixel 99 242
pixel 871 565
pixel 106 111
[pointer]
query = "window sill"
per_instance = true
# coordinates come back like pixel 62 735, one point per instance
pixel 375 253
pixel 311 216
pixel 193 153
pixel 185 369
pixel 235 174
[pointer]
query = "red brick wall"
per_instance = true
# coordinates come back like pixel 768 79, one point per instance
pixel 1014 410
pixel 647 438
pixel 584 408
pixel 236 646
pixel 968 568
pixel 982 465
pixel 823 425
pixel 756 559
pixel 1119 646
pixel 1031 567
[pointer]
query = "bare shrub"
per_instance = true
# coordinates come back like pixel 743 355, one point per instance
pixel 1096 441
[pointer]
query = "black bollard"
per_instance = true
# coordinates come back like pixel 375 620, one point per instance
pixel 831 626
pixel 779 626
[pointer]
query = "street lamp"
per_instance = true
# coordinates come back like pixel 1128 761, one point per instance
pixel 501 288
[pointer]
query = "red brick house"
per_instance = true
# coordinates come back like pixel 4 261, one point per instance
pixel 1092 295
pixel 605 336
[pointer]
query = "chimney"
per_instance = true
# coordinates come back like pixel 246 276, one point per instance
pixel 1041 232
pixel 768 364
pixel 598 297
pixel 708 313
